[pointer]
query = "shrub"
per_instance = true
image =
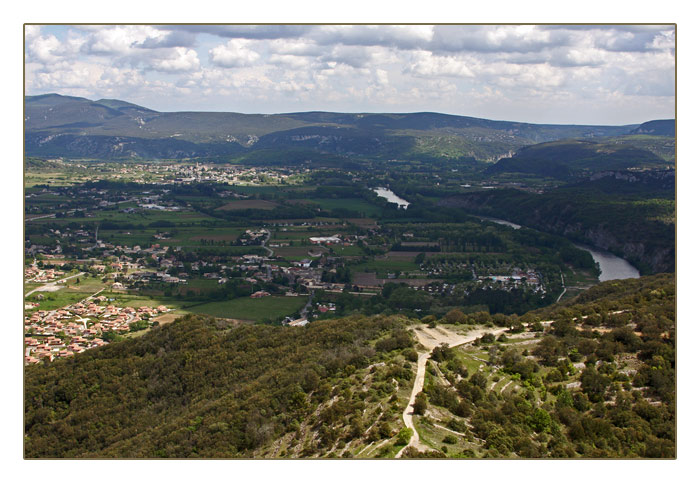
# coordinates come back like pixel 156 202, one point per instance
pixel 404 436
pixel 450 439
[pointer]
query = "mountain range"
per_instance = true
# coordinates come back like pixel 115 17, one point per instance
pixel 57 125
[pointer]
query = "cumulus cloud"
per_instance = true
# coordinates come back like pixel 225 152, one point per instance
pixel 48 48
pixel 121 39
pixel 428 65
pixel 174 38
pixel 508 38
pixel 179 60
pixel 235 53
pixel 401 36
pixel 344 54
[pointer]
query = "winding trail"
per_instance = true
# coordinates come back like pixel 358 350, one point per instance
pixel 431 338
pixel 563 285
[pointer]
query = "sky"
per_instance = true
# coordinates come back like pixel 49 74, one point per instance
pixel 566 74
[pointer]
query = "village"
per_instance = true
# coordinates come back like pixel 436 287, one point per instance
pixel 81 326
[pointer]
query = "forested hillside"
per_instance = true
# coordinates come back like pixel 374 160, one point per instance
pixel 570 158
pixel 194 388
pixel 598 381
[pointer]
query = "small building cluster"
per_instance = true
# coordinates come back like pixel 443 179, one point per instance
pixel 35 274
pixel 78 327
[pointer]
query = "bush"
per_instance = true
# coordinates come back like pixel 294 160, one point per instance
pixel 455 316
pixel 487 338
pixel 457 425
pixel 420 404
pixel 450 439
pixel 410 354
pixel 404 436
pixel 428 319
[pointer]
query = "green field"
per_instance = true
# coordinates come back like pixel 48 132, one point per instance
pixel 351 251
pixel 384 266
pixel 129 300
pixel 248 205
pixel 247 308
pixel 354 204
pixel 58 299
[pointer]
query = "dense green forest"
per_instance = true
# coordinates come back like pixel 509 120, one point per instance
pixel 599 381
pixel 197 387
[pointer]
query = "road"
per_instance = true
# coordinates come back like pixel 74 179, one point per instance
pixel 306 308
pixel 265 240
pixel 51 286
pixel 431 338
pixel 52 215
pixel 563 285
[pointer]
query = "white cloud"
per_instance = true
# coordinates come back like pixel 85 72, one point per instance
pixel 122 39
pixel 382 77
pixel 664 40
pixel 179 60
pixel 428 65
pixel 401 36
pixel 45 48
pixel 509 38
pixel 301 47
pixel 235 53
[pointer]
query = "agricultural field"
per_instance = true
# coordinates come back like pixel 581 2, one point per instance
pixel 246 308
pixel 248 205
pixel 351 204
pixel 385 266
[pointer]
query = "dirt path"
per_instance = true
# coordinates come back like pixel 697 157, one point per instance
pixel 431 338
pixel 563 285
pixel 505 386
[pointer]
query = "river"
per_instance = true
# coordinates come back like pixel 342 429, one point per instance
pixel 391 197
pixel 500 222
pixel 611 266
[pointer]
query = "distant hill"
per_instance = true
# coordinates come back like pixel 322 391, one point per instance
pixel 78 127
pixel 663 127
pixel 563 159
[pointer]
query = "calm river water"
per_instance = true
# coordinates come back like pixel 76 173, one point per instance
pixel 611 267
pixel 391 197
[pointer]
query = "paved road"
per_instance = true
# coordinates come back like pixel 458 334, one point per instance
pixel 265 240
pixel 431 338
pixel 48 286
